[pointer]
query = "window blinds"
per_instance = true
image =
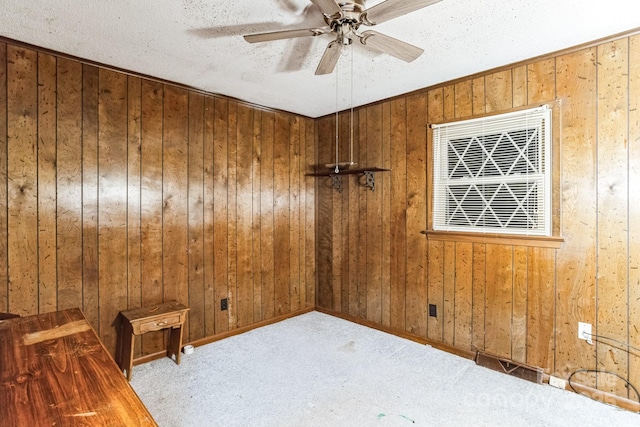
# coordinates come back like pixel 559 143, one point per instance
pixel 493 174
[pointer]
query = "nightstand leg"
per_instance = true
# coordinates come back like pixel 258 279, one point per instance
pixel 126 356
pixel 119 345
pixel 175 343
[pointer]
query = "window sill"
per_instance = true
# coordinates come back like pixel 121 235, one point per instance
pixel 553 242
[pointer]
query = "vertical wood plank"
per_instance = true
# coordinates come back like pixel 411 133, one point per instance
pixel 479 296
pixel 281 213
pixel 69 183
pixel 134 247
pixel 541 308
pixel 244 231
pixel 363 225
pixel 520 86
pixel 220 212
pixel 267 255
pixel 209 219
pixel 311 159
pixel 232 209
pixel 302 238
pixel 256 220
pixel 416 214
pixel 499 297
pixel 196 237
pixel 435 282
pixel 112 202
pixel 541 81
pixel 355 225
pixel 175 179
pixel 576 288
pixel 337 234
pixel 398 229
pixel 134 244
pixel 90 290
pixel 464 295
pixel 479 96
pixel 374 217
pixel 449 255
pixel 499 91
pixel 22 169
pixel 386 215
pixel 519 316
pixel 294 213
pixel 634 206
pixel 4 279
pixel 324 205
pixel 556 168
pixel 449 103
pixel 449 293
pixel 341 222
pixel 47 198
pixel 464 99
pixel 151 130
pixel 613 187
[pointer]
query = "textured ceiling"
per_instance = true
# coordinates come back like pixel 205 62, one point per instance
pixel 199 43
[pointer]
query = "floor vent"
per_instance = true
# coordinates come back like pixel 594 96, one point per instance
pixel 516 369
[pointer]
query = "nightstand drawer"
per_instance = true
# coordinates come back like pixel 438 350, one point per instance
pixel 158 324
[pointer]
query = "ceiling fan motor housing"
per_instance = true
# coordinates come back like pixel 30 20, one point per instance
pixel 347 22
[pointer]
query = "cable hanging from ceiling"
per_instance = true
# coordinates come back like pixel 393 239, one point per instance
pixel 338 168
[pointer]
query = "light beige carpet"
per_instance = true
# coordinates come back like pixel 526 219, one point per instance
pixel 318 370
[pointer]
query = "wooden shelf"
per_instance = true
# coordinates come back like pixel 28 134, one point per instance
pixel 336 176
pixel 357 171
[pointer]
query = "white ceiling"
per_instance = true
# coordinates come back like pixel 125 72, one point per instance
pixel 199 43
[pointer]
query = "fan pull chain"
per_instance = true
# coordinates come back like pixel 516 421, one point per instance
pixel 351 119
pixel 337 170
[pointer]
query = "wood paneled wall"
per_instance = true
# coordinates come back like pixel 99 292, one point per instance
pixel 118 191
pixel 516 301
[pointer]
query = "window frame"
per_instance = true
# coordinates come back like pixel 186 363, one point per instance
pixel 439 152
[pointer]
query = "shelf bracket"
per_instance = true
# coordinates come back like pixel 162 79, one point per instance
pixel 336 182
pixel 370 180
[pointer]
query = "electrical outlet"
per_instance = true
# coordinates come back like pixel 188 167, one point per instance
pixel 433 311
pixel 224 304
pixel 584 332
pixel 557 382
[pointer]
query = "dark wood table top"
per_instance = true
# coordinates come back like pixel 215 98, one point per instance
pixel 54 370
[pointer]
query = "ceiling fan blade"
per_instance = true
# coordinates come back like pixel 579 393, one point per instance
pixel 287 34
pixel 392 46
pixel 328 7
pixel 329 58
pixel 390 9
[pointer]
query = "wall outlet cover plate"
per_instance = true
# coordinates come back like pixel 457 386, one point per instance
pixel 584 332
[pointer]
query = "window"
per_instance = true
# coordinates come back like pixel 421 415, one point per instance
pixel 493 174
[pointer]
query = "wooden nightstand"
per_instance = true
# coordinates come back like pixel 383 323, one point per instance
pixel 147 319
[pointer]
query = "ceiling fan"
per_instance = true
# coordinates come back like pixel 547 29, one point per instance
pixel 344 18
